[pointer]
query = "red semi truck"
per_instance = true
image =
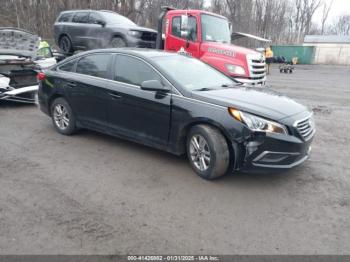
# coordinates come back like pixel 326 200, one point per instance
pixel 207 36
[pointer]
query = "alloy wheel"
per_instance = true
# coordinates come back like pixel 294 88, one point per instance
pixel 61 117
pixel 200 152
pixel 65 44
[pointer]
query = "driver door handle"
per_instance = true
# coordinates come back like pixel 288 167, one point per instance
pixel 71 84
pixel 115 95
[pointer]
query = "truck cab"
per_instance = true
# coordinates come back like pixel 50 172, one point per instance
pixel 207 36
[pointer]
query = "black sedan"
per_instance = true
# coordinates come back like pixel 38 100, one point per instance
pixel 178 104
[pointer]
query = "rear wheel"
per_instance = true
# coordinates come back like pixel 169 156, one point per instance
pixel 62 116
pixel 207 152
pixel 66 45
pixel 118 42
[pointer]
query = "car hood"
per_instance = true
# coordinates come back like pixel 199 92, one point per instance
pixel 135 28
pixel 258 101
pixel 143 29
pixel 15 41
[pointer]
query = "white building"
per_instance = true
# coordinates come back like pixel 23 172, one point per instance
pixel 330 49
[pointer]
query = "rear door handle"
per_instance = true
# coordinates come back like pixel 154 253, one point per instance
pixel 115 95
pixel 72 84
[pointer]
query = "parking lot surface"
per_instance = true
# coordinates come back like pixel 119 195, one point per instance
pixel 95 194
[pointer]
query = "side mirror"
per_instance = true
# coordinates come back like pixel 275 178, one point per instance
pixel 100 22
pixel 184 23
pixel 154 85
pixel 230 27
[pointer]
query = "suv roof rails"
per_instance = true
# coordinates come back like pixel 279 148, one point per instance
pixel 77 10
pixel 109 11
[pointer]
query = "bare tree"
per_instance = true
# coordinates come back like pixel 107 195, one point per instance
pixel 325 13
pixel 341 26
pixel 282 21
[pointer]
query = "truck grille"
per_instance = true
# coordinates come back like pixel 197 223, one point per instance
pixel 305 127
pixel 148 36
pixel 257 67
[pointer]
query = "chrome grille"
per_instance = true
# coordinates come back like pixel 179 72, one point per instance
pixel 305 127
pixel 257 66
pixel 148 36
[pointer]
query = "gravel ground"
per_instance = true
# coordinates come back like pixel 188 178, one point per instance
pixel 95 194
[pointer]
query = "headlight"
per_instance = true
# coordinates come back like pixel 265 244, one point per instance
pixel 234 69
pixel 256 123
pixel 135 33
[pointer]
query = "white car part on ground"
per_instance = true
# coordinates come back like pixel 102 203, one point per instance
pixel 13 94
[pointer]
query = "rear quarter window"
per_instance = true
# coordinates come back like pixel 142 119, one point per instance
pixel 65 17
pixel 68 67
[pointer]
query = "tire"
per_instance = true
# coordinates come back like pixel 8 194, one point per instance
pixel 214 147
pixel 66 45
pixel 62 116
pixel 118 42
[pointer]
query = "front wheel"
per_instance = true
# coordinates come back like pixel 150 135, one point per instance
pixel 62 116
pixel 66 45
pixel 118 42
pixel 207 152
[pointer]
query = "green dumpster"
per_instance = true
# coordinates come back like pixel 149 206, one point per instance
pixel 305 54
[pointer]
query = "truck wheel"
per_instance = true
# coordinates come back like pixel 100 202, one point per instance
pixel 118 42
pixel 66 45
pixel 62 116
pixel 207 152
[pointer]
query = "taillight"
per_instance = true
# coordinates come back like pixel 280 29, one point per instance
pixel 41 76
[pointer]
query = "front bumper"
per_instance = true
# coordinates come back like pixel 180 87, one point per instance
pixel 139 43
pixel 267 152
pixel 23 95
pixel 250 82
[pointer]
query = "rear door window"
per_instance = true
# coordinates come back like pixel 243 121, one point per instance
pixel 81 17
pixel 95 65
pixel 133 71
pixel 68 67
pixel 65 17
pixel 93 18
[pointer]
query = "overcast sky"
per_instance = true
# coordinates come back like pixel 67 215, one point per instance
pixel 339 7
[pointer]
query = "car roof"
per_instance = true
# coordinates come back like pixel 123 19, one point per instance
pixel 195 12
pixel 76 10
pixel 88 10
pixel 140 52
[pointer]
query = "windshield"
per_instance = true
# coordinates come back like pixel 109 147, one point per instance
pixel 215 29
pixel 113 18
pixel 193 74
